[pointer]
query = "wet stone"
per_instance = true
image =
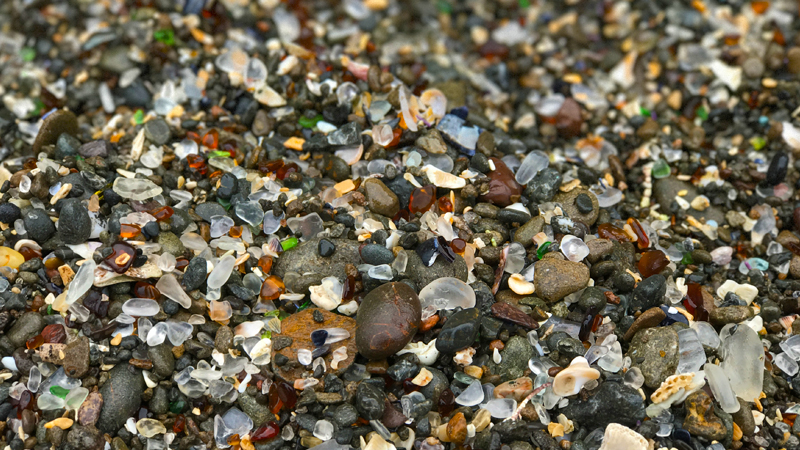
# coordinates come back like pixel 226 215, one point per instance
pixel 38 225
pixel 569 201
pixel 700 418
pixel 555 279
pixel 649 292
pixel 380 199
pixel 515 357
pixel 376 254
pixel 655 352
pixel 122 395
pixel 296 334
pixel 387 319
pixel 612 402
pixel 369 401
pixel 157 131
pixel 94 148
pixel 459 331
pixel 57 123
pixel 74 225
pixel 195 274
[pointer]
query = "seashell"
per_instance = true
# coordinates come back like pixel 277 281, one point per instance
pixel 427 353
pixel 520 285
pixel 675 389
pixel 620 437
pixel 684 383
pixel 464 357
pixel 442 179
pixel 570 380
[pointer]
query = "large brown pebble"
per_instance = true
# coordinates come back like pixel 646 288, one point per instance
pixel 381 200
pixel 56 123
pixel 89 411
pixel 298 328
pixel 387 320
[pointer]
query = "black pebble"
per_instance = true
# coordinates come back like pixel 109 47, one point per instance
pixel 9 213
pixel 318 317
pixel 326 248
pixel 227 186
pixel 584 203
pixel 151 229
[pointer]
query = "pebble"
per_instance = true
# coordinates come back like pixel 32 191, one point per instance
pixel 74 225
pixel 380 199
pixel 459 331
pixel 122 395
pixel 700 418
pixel 387 320
pixel 157 131
pixel 555 279
pixel 38 225
pixel 655 352
pixel 375 254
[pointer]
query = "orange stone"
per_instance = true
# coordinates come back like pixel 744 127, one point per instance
pixel 457 428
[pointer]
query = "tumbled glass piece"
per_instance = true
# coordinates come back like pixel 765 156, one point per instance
pixel 121 257
pixel 381 272
pixel 158 334
pixel 249 212
pixel 721 388
pixel 48 401
pixel 169 287
pixel 515 258
pixel 323 430
pixel 634 378
pixel 222 271
pixel 179 332
pixel 272 223
pixel 304 356
pixel 307 226
pixel 76 397
pixel 501 408
pixel 150 427
pixel 137 189
pixel 692 355
pixel 706 333
pixel 140 307
pixel 534 162
pixel 472 395
pixel 220 311
pixel 220 226
pixel 574 248
pixel 81 282
pixel 34 379
pixel 743 361
pixel 447 293
pixel 786 364
pixel 651 263
pixel 660 169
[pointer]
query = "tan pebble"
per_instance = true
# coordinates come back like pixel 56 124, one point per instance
pixel 473 371
pixel 61 422
pixel 117 339
pixel 555 429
